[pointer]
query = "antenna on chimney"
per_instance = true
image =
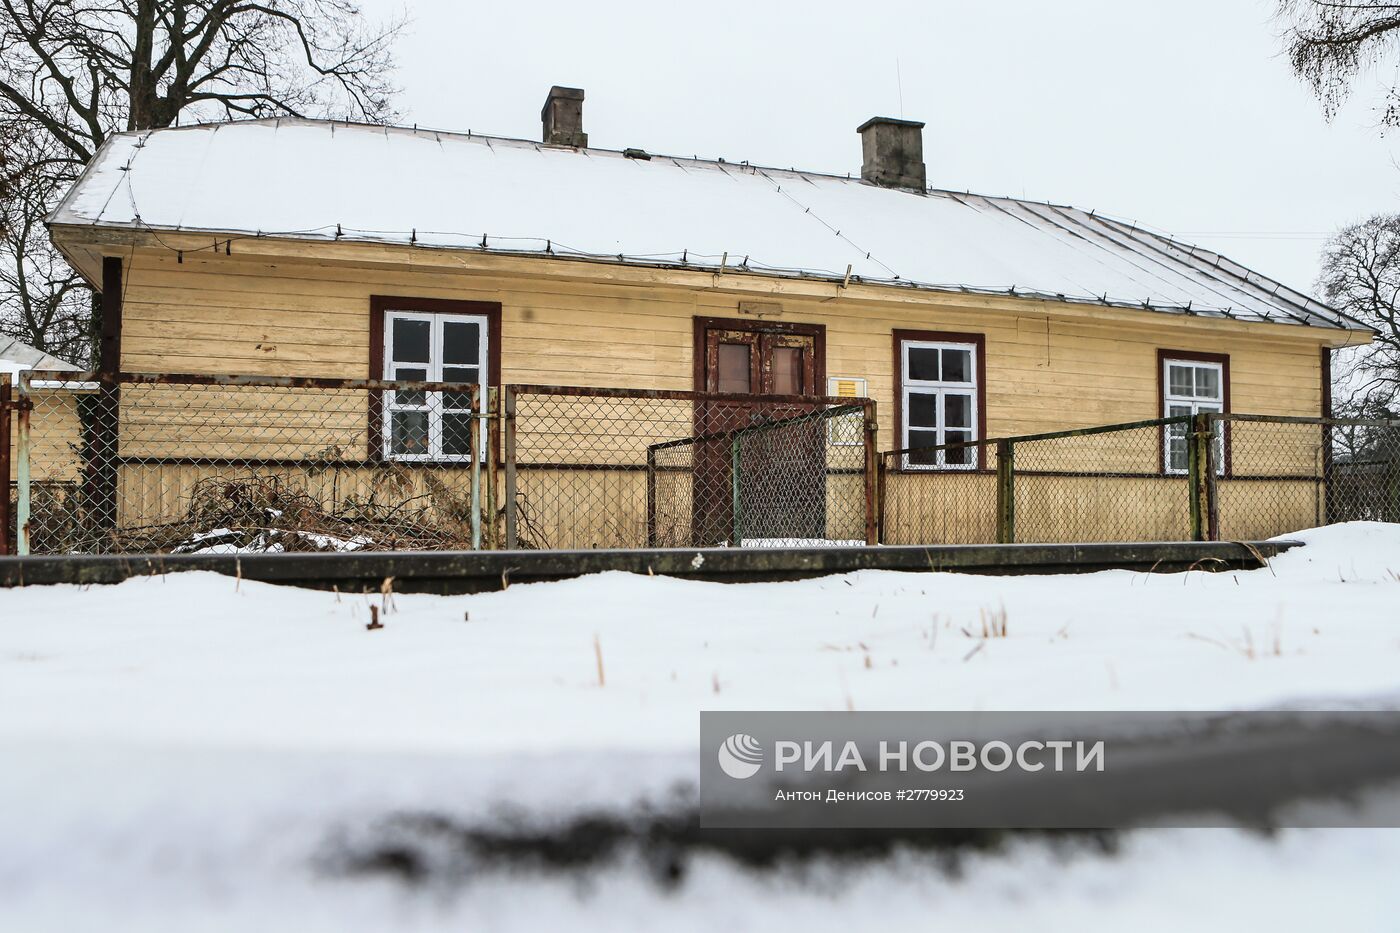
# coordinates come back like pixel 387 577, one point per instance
pixel 899 82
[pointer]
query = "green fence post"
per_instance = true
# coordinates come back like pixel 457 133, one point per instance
pixel 508 417
pixel 1006 492
pixel 1194 472
pixel 736 514
pixel 651 495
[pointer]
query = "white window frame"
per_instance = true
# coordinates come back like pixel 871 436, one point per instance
pixel 940 388
pixel 1196 404
pixel 437 322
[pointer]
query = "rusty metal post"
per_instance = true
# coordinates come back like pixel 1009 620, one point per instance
pixel 882 477
pixel 1210 463
pixel 22 450
pixel 1194 474
pixel 1006 492
pixel 736 515
pixel 874 487
pixel 508 419
pixel 5 404
pixel 476 435
pixel 493 407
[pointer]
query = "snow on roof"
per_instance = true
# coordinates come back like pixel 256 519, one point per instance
pixel 329 180
pixel 16 356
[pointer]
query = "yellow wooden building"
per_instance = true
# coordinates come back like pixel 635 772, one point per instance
pixel 319 249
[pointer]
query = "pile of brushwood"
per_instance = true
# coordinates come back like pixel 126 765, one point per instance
pixel 259 513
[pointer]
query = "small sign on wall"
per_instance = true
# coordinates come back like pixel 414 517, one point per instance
pixel 845 386
pixel 760 309
pixel 847 430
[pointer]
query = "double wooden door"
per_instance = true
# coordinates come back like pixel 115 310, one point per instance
pixel 781 490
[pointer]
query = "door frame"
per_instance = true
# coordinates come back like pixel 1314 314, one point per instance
pixel 711 520
pixel 816 331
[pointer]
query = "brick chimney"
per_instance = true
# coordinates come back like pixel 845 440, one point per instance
pixel 892 153
pixel 562 117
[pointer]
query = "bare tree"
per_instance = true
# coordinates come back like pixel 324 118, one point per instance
pixel 1330 43
pixel 1361 277
pixel 72 72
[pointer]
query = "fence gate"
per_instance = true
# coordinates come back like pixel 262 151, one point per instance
pixel 588 468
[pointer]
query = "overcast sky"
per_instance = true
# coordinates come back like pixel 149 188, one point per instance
pixel 1181 115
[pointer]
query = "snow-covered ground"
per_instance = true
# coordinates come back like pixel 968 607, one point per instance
pixel 188 752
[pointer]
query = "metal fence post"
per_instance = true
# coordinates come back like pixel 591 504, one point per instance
pixel 736 515
pixel 476 448
pixel 651 496
pixel 1211 466
pixel 22 449
pixel 5 547
pixel 1194 474
pixel 508 415
pixel 880 485
pixel 493 405
pixel 874 489
pixel 1006 492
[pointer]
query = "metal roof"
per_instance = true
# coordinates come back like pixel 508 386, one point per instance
pixel 15 356
pixel 309 179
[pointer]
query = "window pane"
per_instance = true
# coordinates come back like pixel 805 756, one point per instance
pixel 409 432
pixel 734 368
pixel 923 410
pixel 458 374
pixel 410 341
pixel 923 364
pixel 920 439
pixel 787 371
pixel 1176 411
pixel 456 435
pixel 1207 382
pixel 1177 456
pixel 957 365
pixel 958 456
pixel 467 374
pixel 457 400
pixel 1179 381
pixel 410 374
pixel 461 342
pixel 957 411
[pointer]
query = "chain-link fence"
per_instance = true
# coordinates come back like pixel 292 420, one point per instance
pixel 939 495
pixel 146 463
pixel 590 468
pixel 1209 476
pixel 1279 474
pixel 1117 484
pixel 181 464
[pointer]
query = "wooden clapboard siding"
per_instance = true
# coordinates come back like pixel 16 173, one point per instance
pixel 1048 367
pixel 55 437
pixel 940 508
pixel 300 309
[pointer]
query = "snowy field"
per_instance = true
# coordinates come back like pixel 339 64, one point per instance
pixel 191 752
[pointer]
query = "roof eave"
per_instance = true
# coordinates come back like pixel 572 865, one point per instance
pixel 127 235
